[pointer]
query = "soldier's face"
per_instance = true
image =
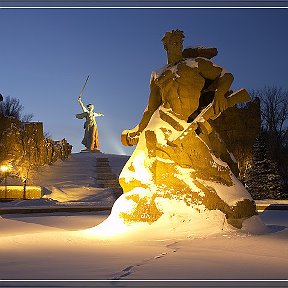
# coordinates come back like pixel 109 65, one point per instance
pixel 174 46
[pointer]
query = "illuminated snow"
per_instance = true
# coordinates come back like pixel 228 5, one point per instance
pixel 66 246
pixel 179 221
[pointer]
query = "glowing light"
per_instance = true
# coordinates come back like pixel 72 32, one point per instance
pixel 5 168
pixel 115 226
pixel 111 227
pixel 109 133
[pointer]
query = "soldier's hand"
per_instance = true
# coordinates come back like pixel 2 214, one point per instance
pixel 130 138
pixel 219 104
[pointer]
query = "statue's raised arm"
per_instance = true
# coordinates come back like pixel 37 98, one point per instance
pixel 81 104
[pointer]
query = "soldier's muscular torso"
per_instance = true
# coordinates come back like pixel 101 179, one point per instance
pixel 180 88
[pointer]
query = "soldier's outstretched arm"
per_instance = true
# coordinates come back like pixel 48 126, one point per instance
pixel 131 137
pixel 222 92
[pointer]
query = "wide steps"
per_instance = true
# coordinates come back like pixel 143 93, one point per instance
pixel 104 178
pixel 107 182
pixel 103 169
pixel 101 164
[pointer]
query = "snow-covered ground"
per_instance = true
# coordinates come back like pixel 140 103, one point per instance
pixel 66 246
pixel 43 246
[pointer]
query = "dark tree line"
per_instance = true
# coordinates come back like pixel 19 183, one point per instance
pixel 267 176
pixel 11 107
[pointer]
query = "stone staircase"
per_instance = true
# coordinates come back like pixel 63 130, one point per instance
pixel 105 178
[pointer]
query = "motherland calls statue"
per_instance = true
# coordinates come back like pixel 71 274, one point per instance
pixel 90 140
pixel 179 159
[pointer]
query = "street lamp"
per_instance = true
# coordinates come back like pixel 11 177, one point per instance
pixel 24 188
pixel 5 169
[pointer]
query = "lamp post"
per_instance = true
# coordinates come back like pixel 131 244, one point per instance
pixel 5 169
pixel 24 188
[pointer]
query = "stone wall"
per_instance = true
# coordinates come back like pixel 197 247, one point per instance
pixel 239 128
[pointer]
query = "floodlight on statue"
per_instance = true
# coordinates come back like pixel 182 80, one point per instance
pixel 181 170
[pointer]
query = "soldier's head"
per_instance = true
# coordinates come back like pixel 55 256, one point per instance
pixel 173 44
pixel 90 107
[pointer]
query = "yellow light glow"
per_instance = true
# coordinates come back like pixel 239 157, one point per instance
pixel 114 226
pixel 4 168
pixel 111 227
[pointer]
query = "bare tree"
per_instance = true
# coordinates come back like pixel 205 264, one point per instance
pixel 47 134
pixel 274 110
pixel 274 120
pixel 11 107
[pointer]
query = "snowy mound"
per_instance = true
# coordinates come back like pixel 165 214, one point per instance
pixel 178 221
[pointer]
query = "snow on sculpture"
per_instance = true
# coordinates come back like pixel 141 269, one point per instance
pixel 180 170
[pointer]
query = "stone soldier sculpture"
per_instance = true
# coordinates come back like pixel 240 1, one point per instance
pixel 179 156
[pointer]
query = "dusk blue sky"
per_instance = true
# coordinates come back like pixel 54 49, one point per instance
pixel 46 55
